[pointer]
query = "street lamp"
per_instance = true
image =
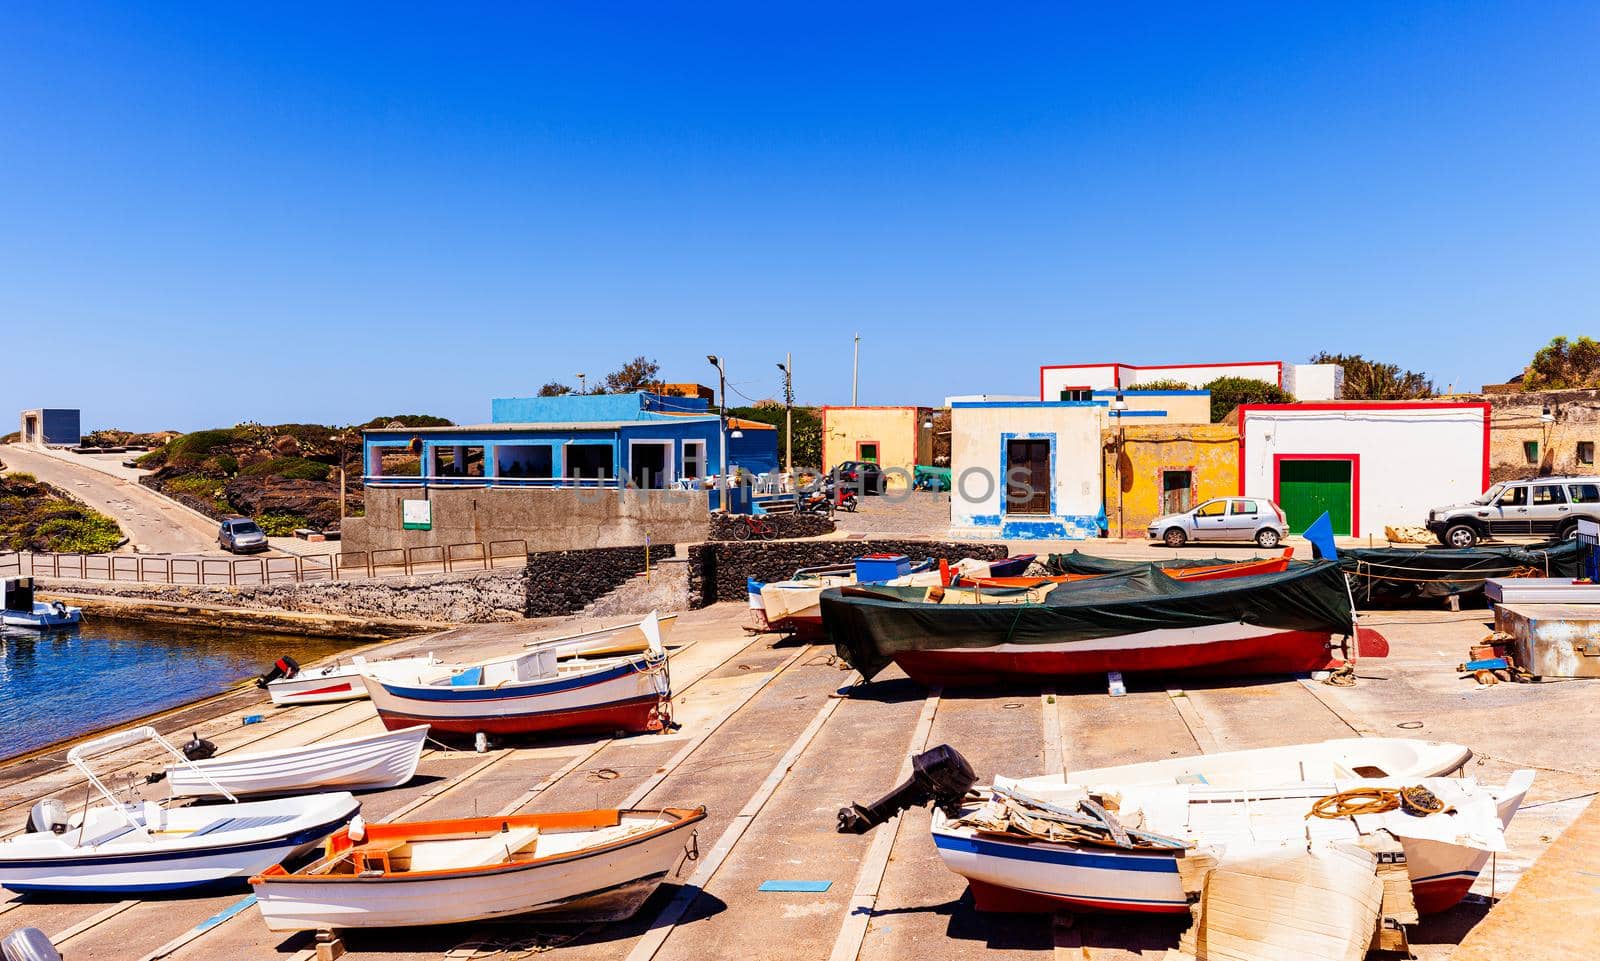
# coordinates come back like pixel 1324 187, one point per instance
pixel 580 381
pixel 722 431
pixel 1119 405
pixel 788 414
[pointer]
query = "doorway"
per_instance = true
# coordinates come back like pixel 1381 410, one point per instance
pixel 650 463
pixel 1309 485
pixel 1027 477
pixel 1177 491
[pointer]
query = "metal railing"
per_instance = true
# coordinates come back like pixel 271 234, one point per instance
pixel 290 569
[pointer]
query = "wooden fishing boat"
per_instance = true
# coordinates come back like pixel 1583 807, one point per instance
pixel 367 763
pixel 609 641
pixel 1204 572
pixel 287 683
pixel 1141 622
pixel 1117 839
pixel 531 692
pixel 122 847
pixel 585 866
pixel 792 605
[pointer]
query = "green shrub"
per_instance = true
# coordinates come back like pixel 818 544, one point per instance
pixel 1164 383
pixel 153 459
pixel 191 449
pixel 281 523
pixel 21 478
pixel 90 534
pixel 225 463
pixel 293 468
pixel 195 485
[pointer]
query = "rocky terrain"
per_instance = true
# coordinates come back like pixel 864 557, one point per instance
pixel 37 517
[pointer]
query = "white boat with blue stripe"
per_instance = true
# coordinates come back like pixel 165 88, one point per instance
pixel 137 847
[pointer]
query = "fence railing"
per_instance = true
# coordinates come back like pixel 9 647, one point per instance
pixel 290 569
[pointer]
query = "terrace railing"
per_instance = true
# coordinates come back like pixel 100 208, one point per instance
pixel 286 569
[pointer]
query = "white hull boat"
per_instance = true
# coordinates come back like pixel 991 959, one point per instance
pixel 53 614
pixel 1337 759
pixel 367 763
pixel 609 641
pixel 336 682
pixel 581 866
pixel 119 847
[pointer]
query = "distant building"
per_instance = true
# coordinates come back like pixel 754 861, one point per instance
pixel 1368 464
pixel 1314 382
pixel 1539 433
pixel 1026 470
pixel 1157 469
pixel 897 439
pixel 51 427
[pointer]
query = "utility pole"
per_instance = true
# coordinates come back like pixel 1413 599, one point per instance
pixel 788 413
pixel 722 432
pixel 855 371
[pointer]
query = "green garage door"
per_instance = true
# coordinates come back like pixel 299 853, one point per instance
pixel 1306 488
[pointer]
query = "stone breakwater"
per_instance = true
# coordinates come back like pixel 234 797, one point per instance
pixel 717 571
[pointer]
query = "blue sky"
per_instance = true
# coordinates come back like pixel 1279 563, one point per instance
pixel 327 212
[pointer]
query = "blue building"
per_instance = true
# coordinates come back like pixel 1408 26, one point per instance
pixel 51 427
pixel 644 440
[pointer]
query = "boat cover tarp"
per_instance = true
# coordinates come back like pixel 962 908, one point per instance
pixel 1391 575
pixel 1078 562
pixel 869 627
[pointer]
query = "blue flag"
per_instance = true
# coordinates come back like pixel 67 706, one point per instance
pixel 1320 534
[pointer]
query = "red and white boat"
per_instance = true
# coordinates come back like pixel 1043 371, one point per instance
pixel 1296 621
pixel 340 681
pixel 535 691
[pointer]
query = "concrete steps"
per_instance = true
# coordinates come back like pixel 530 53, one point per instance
pixel 664 588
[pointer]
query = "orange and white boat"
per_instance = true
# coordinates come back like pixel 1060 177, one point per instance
pixel 1208 572
pixel 571 866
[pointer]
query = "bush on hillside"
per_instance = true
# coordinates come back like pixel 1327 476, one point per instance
pixel 191 449
pixel 294 468
pixel 281 524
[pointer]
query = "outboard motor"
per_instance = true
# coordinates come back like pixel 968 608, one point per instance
pixel 59 608
pixel 48 815
pixel 283 667
pixel 940 775
pixel 198 748
pixel 28 944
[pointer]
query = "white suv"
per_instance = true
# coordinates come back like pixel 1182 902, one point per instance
pixel 1538 507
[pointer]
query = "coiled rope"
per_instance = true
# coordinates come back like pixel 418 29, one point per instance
pixel 1417 801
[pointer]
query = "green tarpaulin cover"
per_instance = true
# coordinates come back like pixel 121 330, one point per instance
pixel 1078 562
pixel 869 630
pixel 1394 575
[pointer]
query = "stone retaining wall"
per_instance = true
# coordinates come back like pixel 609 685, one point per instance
pixel 564 582
pixel 717 571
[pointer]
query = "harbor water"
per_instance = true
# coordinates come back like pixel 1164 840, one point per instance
pixel 59 684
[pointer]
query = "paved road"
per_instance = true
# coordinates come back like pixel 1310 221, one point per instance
pixel 154 524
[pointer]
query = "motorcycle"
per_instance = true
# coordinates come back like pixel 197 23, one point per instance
pixel 829 499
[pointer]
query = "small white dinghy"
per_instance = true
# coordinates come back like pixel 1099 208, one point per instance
pixel 580 866
pixel 288 683
pixel 610 641
pixel 366 763
pixel 21 610
pixel 120 847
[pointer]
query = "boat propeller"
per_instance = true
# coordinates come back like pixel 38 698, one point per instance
pixel 940 775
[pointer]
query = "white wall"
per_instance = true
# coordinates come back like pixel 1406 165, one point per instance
pixel 1110 376
pixel 1200 376
pixel 1096 377
pixel 976 456
pixel 1314 381
pixel 1411 459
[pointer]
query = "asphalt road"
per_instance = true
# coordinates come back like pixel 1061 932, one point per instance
pixel 153 524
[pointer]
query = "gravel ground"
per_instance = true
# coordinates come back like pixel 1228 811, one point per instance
pixel 918 513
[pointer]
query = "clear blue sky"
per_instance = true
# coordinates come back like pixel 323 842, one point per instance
pixel 327 212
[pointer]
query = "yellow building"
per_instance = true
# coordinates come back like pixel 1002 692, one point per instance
pixel 1157 469
pixel 1160 406
pixel 894 438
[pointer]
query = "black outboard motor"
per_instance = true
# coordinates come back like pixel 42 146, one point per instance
pixel 940 775
pixel 283 667
pixel 199 749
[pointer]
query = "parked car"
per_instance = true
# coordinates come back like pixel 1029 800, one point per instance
pixel 1224 519
pixel 862 475
pixel 1538 507
pixel 241 535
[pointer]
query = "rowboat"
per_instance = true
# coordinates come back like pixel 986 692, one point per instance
pixel 122 847
pixel 1335 759
pixel 288 683
pixel 586 866
pixel 1065 852
pixel 367 763
pixel 21 610
pixel 534 691
pixel 792 605
pixel 1141 622
pixel 1200 572
pixel 608 641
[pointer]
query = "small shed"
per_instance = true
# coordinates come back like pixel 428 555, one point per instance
pixel 1026 470
pixel 51 427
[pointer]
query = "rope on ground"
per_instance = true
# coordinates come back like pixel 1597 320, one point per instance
pixel 513 946
pixel 1342 676
pixel 1417 801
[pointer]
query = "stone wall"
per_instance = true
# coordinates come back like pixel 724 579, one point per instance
pixel 547 519
pixel 1516 419
pixel 553 583
pixel 727 527
pixel 717 571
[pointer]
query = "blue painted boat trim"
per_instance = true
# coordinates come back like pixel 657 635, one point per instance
pixel 1065 857
pixel 480 693
pixel 303 836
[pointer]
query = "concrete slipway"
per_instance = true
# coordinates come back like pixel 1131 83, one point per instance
pixel 772 752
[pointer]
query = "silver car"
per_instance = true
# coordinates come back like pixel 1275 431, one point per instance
pixel 1224 519
pixel 241 535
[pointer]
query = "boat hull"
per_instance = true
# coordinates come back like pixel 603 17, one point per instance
pixel 1217 649
pixel 356 764
pixel 42 617
pixel 602 886
pixel 341 685
pixel 621 698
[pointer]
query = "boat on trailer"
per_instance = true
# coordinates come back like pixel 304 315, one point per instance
pixel 21 610
pixel 1140 622
pixel 384 760
pixel 1116 841
pixel 126 847
pixel 531 692
pixel 583 866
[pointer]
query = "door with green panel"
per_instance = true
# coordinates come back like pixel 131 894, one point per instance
pixel 1306 488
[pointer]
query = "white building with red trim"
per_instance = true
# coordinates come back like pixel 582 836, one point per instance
pixel 1369 464
pixel 1313 382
